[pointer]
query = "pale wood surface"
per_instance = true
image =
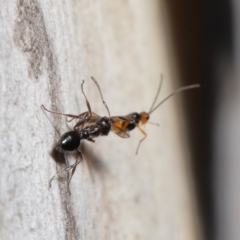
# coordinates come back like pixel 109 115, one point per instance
pixel 46 49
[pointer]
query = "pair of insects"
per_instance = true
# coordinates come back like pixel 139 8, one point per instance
pixel 89 125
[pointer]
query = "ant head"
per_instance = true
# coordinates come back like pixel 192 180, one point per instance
pixel 144 117
pixel 68 142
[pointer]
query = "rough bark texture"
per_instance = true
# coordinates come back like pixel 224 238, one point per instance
pixel 46 49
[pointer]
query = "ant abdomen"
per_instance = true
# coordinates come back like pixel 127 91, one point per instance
pixel 69 142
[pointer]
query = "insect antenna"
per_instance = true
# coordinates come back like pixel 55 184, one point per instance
pixel 156 124
pixel 177 91
pixel 158 91
pixel 95 81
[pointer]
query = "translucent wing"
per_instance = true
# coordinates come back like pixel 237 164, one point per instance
pixel 118 126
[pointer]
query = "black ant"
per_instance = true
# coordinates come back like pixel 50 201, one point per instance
pixel 70 141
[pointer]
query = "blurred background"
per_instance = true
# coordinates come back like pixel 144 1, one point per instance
pixel 206 41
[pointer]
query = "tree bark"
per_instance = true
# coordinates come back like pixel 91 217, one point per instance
pixel 47 49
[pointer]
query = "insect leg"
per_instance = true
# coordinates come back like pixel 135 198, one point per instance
pixel 87 115
pixel 58 113
pixel 74 166
pixel 99 89
pixel 91 140
pixel 84 117
pixel 145 135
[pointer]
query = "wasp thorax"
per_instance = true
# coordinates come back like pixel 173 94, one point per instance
pixel 135 116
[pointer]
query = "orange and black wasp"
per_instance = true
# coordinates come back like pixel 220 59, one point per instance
pixel 125 124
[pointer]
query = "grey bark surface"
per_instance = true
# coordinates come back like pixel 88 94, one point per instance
pixel 46 49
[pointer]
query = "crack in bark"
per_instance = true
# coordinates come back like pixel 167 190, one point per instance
pixel 31 38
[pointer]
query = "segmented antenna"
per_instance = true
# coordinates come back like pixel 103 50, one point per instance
pixel 177 91
pixel 158 91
